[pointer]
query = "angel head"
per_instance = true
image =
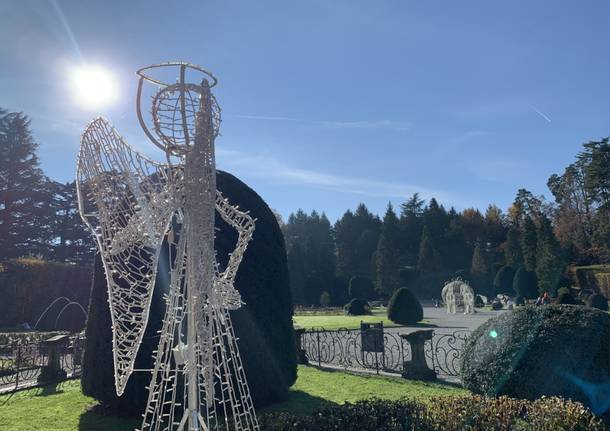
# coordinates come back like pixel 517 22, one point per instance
pixel 182 111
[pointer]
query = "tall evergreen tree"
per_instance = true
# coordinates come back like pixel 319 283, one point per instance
pixel 429 257
pixel 512 249
pixel 73 241
pixel 549 263
pixel 480 270
pixel 25 213
pixel 411 225
pixel 388 256
pixel 356 236
pixel 529 248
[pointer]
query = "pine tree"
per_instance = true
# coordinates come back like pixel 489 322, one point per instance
pixel 388 255
pixel 24 202
pixel 411 225
pixel 429 257
pixel 512 250
pixel 529 246
pixel 549 263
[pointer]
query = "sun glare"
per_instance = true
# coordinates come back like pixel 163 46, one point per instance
pixel 94 86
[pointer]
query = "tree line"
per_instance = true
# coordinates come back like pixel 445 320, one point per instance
pixel 38 216
pixel 422 244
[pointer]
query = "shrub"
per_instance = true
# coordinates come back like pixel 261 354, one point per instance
pixel 478 301
pixel 598 301
pixel 325 299
pixel 496 305
pixel 525 283
pixel 404 308
pixel 503 282
pixel 441 414
pixel 519 300
pixel 263 325
pixel 565 297
pixel 357 307
pixel 361 287
pixel 28 286
pixel 556 350
pixel 563 291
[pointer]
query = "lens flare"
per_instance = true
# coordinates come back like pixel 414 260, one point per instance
pixel 493 333
pixel 94 87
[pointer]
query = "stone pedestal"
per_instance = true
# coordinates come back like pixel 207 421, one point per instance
pixel 301 356
pixel 417 367
pixel 55 347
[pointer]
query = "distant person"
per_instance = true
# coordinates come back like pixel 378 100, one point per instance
pixel 543 299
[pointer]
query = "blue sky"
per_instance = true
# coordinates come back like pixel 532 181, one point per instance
pixel 329 103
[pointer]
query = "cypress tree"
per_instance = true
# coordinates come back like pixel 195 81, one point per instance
pixel 388 255
pixel 549 263
pixel 529 240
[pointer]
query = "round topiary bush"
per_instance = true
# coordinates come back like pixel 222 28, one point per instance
pixel 404 308
pixel 519 300
pixel 478 301
pixel 558 350
pixel 357 307
pixel 566 298
pixel 496 305
pixel 263 325
pixel 599 301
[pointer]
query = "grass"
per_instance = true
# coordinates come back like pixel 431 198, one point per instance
pixel 340 320
pixel 65 408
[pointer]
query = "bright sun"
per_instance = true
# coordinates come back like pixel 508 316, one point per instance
pixel 94 86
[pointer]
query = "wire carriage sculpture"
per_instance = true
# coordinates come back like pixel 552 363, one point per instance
pixel 132 204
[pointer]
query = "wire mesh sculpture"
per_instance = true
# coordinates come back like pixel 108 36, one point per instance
pixel 458 296
pixel 132 204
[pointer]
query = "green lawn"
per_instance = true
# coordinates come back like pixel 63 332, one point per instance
pixel 340 320
pixel 66 409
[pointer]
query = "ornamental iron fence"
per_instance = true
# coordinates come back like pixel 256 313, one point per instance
pixel 22 360
pixel 373 347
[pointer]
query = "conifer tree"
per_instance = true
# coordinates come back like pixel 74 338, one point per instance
pixel 429 257
pixel 388 255
pixel 512 251
pixel 549 262
pixel 529 247
pixel 25 210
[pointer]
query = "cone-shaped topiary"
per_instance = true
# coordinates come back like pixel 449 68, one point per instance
pixel 404 308
pixel 357 307
pixel 263 325
pixel 599 301
pixel 559 350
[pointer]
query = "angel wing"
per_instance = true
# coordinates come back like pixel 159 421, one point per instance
pixel 127 201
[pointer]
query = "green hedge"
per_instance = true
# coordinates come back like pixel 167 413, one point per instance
pixel 598 301
pixel 263 325
pixel 554 350
pixel 28 286
pixel 404 308
pixel 471 413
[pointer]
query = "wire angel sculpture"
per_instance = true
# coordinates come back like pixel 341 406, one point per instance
pixel 132 204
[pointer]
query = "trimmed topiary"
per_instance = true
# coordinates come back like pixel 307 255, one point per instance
pixel 565 297
pixel 558 350
pixel 503 282
pixel 478 301
pixel 519 300
pixel 599 301
pixel 525 283
pixel 263 325
pixel 496 305
pixel 357 307
pixel 404 308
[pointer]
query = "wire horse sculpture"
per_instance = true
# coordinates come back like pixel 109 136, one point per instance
pixel 132 205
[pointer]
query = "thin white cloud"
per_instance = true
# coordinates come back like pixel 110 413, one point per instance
pixel 399 126
pixel 273 170
pixel 467 136
pixel 542 114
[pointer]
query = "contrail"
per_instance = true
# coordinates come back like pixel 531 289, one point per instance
pixel 542 114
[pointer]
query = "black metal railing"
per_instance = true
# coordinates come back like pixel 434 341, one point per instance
pixel 344 348
pixel 21 361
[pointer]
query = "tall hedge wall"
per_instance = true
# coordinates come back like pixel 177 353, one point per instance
pixel 28 286
pixel 263 325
